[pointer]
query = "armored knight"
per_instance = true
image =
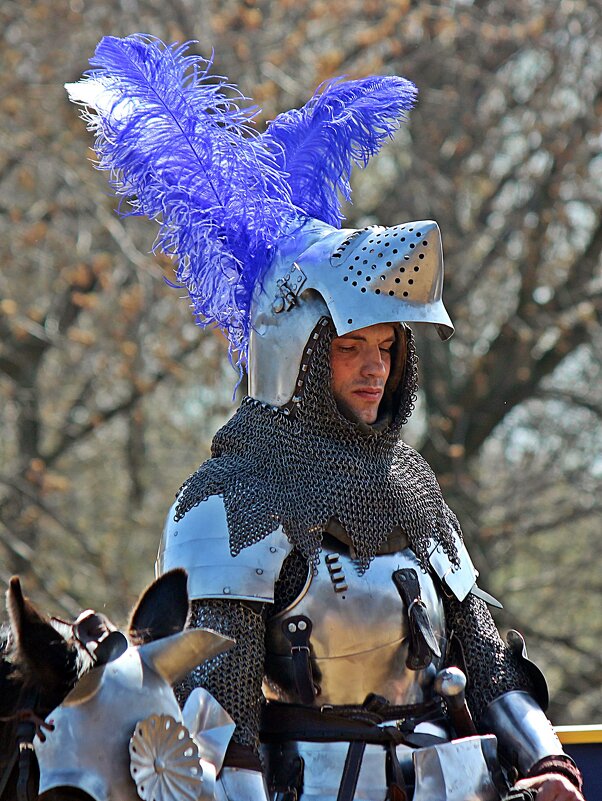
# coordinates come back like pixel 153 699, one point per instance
pixel 314 536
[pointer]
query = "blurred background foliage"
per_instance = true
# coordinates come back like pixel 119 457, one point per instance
pixel 109 393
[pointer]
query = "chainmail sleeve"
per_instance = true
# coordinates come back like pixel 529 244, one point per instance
pixel 476 646
pixel 234 677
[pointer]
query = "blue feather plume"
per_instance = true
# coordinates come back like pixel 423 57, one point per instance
pixel 343 123
pixel 181 151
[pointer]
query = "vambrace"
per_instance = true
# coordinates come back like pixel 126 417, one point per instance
pixel 233 678
pixel 526 738
pixel 524 733
pixel 501 689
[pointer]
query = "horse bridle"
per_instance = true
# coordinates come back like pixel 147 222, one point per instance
pixel 23 752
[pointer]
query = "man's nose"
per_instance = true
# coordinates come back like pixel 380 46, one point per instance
pixel 374 364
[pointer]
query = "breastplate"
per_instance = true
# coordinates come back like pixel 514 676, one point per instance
pixel 360 633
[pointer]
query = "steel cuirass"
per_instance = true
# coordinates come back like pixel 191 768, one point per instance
pixel 360 632
pixel 361 645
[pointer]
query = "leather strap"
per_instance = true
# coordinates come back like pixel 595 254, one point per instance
pixel 396 785
pixel 25 756
pixel 351 771
pixel 310 724
pixel 297 630
pixel 287 778
pixel 520 795
pixel 423 643
pixel 25 732
pixel 8 769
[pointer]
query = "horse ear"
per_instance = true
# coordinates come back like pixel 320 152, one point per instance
pixel 44 657
pixel 162 608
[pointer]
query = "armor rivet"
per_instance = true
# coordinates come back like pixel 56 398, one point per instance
pixel 292 628
pixel 272 549
pixel 259 571
pixel 226 590
pixel 302 625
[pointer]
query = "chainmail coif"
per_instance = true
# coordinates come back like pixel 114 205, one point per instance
pixel 300 467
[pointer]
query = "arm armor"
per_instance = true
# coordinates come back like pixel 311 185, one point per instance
pixel 491 667
pixel 525 736
pixel 502 685
pixel 230 594
pixel 200 543
pixel 233 678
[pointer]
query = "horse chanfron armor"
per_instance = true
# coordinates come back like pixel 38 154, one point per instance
pixel 110 702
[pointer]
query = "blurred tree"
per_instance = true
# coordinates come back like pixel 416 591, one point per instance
pixel 110 394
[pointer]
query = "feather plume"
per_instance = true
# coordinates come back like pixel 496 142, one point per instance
pixel 344 123
pixel 179 149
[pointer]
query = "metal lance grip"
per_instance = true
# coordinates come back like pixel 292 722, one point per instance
pixel 450 684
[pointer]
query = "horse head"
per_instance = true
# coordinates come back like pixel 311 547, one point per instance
pixel 97 690
pixel 120 730
pixel 41 661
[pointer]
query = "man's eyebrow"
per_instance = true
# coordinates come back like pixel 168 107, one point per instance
pixel 360 338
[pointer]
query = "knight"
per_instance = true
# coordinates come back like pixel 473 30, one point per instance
pixel 367 664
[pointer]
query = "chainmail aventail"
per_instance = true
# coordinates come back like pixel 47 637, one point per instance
pixel 301 465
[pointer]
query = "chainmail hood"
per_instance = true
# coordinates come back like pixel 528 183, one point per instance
pixel 305 464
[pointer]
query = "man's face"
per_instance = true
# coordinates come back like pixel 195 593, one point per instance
pixel 360 362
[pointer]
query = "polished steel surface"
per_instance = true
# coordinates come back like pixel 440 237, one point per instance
pixel 200 543
pixel 453 771
pixel 522 729
pixel 89 746
pixel 456 771
pixel 164 760
pixel 174 657
pixel 210 724
pixel 450 683
pixel 459 579
pixel 359 641
pixel 236 784
pixel 356 277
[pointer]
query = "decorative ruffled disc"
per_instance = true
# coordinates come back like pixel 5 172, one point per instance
pixel 164 760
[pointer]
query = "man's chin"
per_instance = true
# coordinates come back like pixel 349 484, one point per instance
pixel 365 415
pixel 356 413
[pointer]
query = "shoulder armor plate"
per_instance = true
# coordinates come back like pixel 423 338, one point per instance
pixel 460 580
pixel 200 543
